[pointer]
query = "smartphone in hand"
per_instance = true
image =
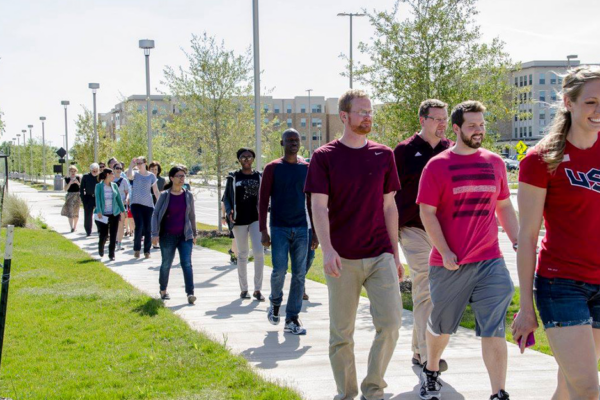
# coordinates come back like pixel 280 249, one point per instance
pixel 530 338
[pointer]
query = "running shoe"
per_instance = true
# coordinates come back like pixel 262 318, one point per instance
pixel 430 384
pixel 294 326
pixel 501 395
pixel 273 314
pixel 191 299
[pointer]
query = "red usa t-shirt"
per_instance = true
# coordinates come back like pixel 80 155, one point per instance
pixel 571 247
pixel 465 190
pixel 355 181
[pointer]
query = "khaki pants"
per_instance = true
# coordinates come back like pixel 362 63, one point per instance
pixel 416 246
pixel 380 277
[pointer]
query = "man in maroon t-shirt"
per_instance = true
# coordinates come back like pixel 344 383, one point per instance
pixel 352 182
pixel 411 157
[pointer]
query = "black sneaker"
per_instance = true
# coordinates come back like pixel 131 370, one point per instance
pixel 244 295
pixel 258 296
pixel 501 395
pixel 430 384
pixel 164 296
pixel 273 314
pixel 191 298
pixel 294 326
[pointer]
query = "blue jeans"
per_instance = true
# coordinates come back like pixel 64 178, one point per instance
pixel 168 245
pixel 292 241
pixel 566 302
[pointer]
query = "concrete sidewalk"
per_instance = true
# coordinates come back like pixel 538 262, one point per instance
pixel 300 362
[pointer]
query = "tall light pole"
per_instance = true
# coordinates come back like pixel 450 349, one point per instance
pixel 30 153
pixel 350 15
pixel 11 154
pixel 19 151
pixel 147 44
pixel 95 87
pixel 257 119
pixel 44 152
pixel 569 58
pixel 319 126
pixel 65 103
pixel 309 124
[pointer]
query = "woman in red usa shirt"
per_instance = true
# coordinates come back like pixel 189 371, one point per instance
pixel 560 181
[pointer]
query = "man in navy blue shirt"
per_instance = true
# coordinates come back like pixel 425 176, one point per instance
pixel 283 184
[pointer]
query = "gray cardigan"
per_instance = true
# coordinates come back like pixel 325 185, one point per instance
pixel 161 207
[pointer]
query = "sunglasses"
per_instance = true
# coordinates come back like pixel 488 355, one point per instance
pixel 246 158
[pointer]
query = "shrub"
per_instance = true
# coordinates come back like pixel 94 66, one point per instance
pixel 15 211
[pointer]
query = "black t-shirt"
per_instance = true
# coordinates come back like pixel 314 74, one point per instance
pixel 74 187
pixel 246 197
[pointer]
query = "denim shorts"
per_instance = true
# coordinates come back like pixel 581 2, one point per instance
pixel 566 302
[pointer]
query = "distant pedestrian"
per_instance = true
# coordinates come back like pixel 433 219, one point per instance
pixel 142 205
pixel 87 192
pixel 156 169
pixel 174 227
pixel 352 182
pixel 282 187
pixel 124 191
pixel 109 208
pixel 241 207
pixel 559 186
pixel 73 199
pixel 233 251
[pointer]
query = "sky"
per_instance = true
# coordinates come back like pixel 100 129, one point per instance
pixel 51 50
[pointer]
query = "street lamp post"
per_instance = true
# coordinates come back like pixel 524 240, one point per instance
pixel 95 87
pixel 257 119
pixel 44 152
pixel 350 15
pixel 309 124
pixel 24 132
pixel 30 153
pixel 65 103
pixel 319 126
pixel 147 44
pixel 11 154
pixel 569 58
pixel 19 153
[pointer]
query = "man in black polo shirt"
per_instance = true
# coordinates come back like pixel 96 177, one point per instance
pixel 411 157
pixel 87 192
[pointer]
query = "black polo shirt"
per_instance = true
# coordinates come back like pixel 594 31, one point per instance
pixel 411 156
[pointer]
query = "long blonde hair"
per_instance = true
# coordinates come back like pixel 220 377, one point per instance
pixel 552 146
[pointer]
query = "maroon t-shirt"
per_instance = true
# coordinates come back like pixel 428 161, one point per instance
pixel 174 218
pixel 355 181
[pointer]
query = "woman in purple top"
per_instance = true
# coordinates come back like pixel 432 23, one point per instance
pixel 174 227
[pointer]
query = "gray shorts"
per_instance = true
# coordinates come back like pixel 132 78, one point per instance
pixel 486 285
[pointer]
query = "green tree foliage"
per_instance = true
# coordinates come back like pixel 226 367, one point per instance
pixel 82 152
pixel 213 96
pixel 436 52
pixel 2 124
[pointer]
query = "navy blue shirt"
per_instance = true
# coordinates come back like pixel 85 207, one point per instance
pixel 283 184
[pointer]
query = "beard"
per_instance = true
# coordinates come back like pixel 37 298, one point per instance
pixel 470 142
pixel 363 128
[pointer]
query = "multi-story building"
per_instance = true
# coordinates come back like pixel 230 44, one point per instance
pixel 538 83
pixel 317 119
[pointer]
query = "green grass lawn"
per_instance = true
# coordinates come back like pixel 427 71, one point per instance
pixel 76 330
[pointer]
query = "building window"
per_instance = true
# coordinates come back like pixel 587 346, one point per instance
pixel 516 131
pixel 530 79
pixel 303 137
pixel 303 122
pixel 288 108
pixel 542 95
pixel 316 122
pixel 516 117
pixel 266 107
pixel 552 78
pixel 276 109
pixel 530 95
pixel 289 122
pixel 530 131
pixel 316 108
pixel 516 81
pixel 553 95
pixel 560 80
pixel 277 123
pixel 520 81
pixel 303 108
pixel 542 78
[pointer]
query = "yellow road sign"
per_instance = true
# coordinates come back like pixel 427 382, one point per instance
pixel 521 147
pixel 520 156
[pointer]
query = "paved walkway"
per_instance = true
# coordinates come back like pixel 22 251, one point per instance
pixel 300 362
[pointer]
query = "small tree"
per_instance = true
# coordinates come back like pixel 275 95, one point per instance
pixel 83 150
pixel 434 53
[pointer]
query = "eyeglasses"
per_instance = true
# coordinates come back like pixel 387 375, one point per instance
pixel 363 113
pixel 140 162
pixel 118 168
pixel 246 158
pixel 180 176
pixel 437 120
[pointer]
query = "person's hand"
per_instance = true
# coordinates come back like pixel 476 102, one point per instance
pixel 524 323
pixel 315 242
pixel 99 215
pixel 450 260
pixel 332 263
pixel 399 267
pixel 265 239
pixel 133 161
pixel 231 217
pixel 155 241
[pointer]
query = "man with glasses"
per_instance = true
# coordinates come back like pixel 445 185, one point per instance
pixel 352 182
pixel 411 157
pixel 87 193
pixel 283 186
